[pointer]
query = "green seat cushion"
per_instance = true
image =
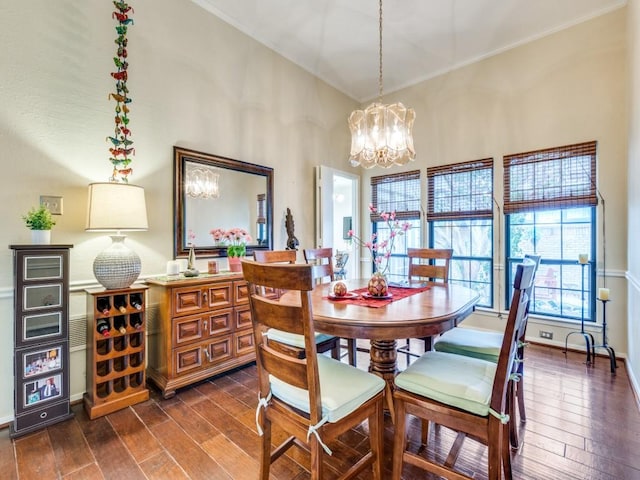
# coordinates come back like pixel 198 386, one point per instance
pixel 343 389
pixel 456 380
pixel 293 339
pixel 471 342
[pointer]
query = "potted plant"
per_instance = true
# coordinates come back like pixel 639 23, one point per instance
pixel 236 240
pixel 39 221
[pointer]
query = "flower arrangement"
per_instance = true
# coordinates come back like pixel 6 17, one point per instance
pixel 235 239
pixel 381 249
pixel 39 219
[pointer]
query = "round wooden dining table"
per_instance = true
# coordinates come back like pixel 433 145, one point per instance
pixel 421 314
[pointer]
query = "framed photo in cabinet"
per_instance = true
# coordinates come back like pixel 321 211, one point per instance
pixel 42 390
pixel 40 362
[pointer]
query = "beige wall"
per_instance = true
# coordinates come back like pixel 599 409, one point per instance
pixel 566 88
pixel 198 83
pixel 195 82
pixel 633 273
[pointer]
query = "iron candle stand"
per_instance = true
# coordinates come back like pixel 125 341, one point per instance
pixel 588 337
pixel 610 350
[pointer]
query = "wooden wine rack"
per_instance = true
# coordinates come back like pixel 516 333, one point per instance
pixel 115 363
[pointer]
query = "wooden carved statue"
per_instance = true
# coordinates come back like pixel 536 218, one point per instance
pixel 292 241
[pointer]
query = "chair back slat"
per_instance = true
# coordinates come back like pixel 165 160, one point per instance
pixel 290 370
pixel 321 260
pixel 429 263
pixel 522 331
pixel 275 256
pixel 517 316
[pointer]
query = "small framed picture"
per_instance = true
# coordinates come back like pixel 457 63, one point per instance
pixel 43 389
pixel 35 363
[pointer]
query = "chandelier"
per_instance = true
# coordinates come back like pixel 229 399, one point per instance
pixel 381 134
pixel 202 182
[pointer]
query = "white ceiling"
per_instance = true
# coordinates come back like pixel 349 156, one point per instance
pixel 337 40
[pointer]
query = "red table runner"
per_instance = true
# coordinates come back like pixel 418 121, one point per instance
pixel 397 293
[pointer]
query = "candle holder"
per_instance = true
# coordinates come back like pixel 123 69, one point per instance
pixel 588 337
pixel 610 351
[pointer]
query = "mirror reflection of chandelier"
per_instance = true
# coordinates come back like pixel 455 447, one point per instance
pixel 202 182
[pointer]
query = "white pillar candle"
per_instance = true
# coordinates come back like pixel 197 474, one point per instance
pixel 173 268
pixel 182 264
pixel 583 258
pixel 603 293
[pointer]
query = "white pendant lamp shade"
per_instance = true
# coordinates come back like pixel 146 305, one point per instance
pixel 381 135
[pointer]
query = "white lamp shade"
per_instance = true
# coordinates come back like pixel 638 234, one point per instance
pixel 116 207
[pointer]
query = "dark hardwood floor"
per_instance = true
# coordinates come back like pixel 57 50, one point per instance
pixel 583 423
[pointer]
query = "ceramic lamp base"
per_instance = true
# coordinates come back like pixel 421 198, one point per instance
pixel 117 266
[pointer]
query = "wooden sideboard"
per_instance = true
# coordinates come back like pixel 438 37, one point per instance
pixel 203 328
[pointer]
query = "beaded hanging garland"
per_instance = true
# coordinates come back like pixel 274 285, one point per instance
pixel 121 149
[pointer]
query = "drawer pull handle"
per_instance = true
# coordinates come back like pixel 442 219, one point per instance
pixel 43 415
pixel 205 325
pixel 206 353
pixel 204 296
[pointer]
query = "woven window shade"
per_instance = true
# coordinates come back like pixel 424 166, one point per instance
pixel 460 191
pixel 561 177
pixel 399 192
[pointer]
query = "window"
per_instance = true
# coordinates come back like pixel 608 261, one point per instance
pixel 460 216
pixel 549 202
pixel 400 193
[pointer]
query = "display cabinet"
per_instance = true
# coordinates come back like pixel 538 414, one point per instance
pixel 41 340
pixel 203 328
pixel 116 331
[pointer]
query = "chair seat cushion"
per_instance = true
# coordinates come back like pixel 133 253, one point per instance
pixel 343 389
pixel 293 339
pixel 456 380
pixel 471 342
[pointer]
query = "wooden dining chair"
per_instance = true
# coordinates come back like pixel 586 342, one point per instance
pixel 321 261
pixel 313 399
pixel 466 394
pixel 486 344
pixel 431 265
pixel 324 342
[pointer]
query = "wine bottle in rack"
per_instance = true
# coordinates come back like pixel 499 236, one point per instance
pixel 102 327
pixel 135 300
pixel 120 303
pixel 135 320
pixel 103 305
pixel 120 324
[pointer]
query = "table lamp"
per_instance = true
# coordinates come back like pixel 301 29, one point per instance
pixel 116 207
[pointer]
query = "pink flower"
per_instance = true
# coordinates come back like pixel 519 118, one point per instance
pixel 382 250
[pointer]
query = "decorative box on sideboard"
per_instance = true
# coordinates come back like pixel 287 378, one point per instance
pixel 203 329
pixel 41 324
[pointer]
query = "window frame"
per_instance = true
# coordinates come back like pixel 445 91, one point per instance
pixel 385 203
pixel 472 205
pixel 574 188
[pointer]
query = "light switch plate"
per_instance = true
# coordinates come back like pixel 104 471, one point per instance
pixel 54 204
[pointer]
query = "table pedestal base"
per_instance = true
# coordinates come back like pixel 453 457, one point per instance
pixel 384 363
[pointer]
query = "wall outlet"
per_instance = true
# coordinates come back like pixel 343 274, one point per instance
pixel 547 335
pixel 54 204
